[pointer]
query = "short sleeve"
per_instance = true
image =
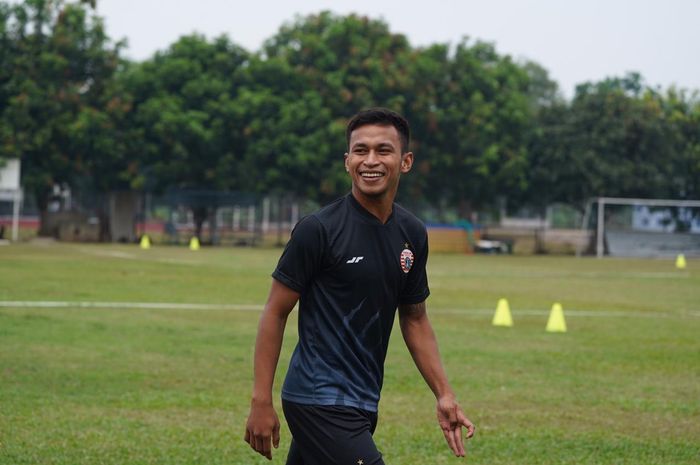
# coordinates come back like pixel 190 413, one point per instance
pixel 303 255
pixel 416 288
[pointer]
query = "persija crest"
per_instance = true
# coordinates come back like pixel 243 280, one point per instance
pixel 406 260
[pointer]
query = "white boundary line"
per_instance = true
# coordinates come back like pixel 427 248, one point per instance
pixel 128 305
pixel 257 308
pixel 574 313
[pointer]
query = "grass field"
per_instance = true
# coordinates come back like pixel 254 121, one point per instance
pixel 171 385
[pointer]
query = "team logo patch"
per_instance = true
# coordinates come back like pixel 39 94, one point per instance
pixel 406 260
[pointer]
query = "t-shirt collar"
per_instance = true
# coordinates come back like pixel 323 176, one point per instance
pixel 364 213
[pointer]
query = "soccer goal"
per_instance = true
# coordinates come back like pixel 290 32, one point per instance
pixel 643 227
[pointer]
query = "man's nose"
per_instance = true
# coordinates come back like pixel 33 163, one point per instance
pixel 371 159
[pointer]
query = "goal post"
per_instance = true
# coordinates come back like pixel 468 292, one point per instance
pixel 645 227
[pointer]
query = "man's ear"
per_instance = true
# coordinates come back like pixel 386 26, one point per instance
pixel 406 162
pixel 346 163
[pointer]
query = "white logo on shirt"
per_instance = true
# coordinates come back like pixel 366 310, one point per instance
pixel 355 260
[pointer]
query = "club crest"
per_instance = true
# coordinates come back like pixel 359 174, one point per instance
pixel 406 260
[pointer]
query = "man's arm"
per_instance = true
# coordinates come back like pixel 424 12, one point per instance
pixel 263 426
pixel 421 343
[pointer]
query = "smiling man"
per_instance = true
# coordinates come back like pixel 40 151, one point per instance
pixel 350 265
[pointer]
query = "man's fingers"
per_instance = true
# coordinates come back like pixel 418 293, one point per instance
pixel 449 437
pixel 468 424
pixel 253 441
pixel 266 448
pixel 446 433
pixel 470 430
pixel 262 445
pixel 457 433
pixel 276 436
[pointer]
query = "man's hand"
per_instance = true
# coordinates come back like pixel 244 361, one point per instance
pixel 451 419
pixel 263 427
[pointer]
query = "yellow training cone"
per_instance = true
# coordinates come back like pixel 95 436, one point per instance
pixel 194 243
pixel 556 323
pixel 502 316
pixel 145 242
pixel 680 262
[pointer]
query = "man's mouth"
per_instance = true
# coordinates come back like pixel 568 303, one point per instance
pixel 371 174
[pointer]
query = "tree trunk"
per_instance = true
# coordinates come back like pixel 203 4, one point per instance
pixel 42 201
pixel 540 248
pixel 213 237
pixel 104 234
pixel 200 215
pixel 123 210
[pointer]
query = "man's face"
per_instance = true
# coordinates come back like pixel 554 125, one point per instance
pixel 375 161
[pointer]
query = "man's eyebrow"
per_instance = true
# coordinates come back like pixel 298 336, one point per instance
pixel 365 144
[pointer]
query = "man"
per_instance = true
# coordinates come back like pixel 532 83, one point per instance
pixel 351 264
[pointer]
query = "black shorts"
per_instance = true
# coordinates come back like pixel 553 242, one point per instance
pixel 331 435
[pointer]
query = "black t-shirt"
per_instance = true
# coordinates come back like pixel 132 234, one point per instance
pixel 352 272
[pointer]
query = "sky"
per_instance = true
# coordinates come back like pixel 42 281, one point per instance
pixel 576 41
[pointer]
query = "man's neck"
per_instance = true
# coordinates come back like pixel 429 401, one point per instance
pixel 379 207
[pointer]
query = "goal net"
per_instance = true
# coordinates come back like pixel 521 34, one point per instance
pixel 644 227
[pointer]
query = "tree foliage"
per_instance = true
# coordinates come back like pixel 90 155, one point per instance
pixel 208 115
pixel 477 119
pixel 343 64
pixel 57 66
pixel 616 138
pixel 183 105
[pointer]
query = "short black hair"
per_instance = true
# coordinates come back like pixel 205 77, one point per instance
pixel 381 117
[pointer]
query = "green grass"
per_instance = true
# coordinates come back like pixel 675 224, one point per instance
pixel 170 386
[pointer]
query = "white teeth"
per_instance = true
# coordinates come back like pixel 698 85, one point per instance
pixel 372 175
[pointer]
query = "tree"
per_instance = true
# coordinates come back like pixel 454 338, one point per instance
pixel 184 101
pixel 339 66
pixel 542 91
pixel 289 133
pixel 107 144
pixel 353 62
pixel 60 59
pixel 479 118
pixel 681 112
pixel 614 139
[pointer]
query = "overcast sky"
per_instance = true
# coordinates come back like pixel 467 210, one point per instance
pixel 576 41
